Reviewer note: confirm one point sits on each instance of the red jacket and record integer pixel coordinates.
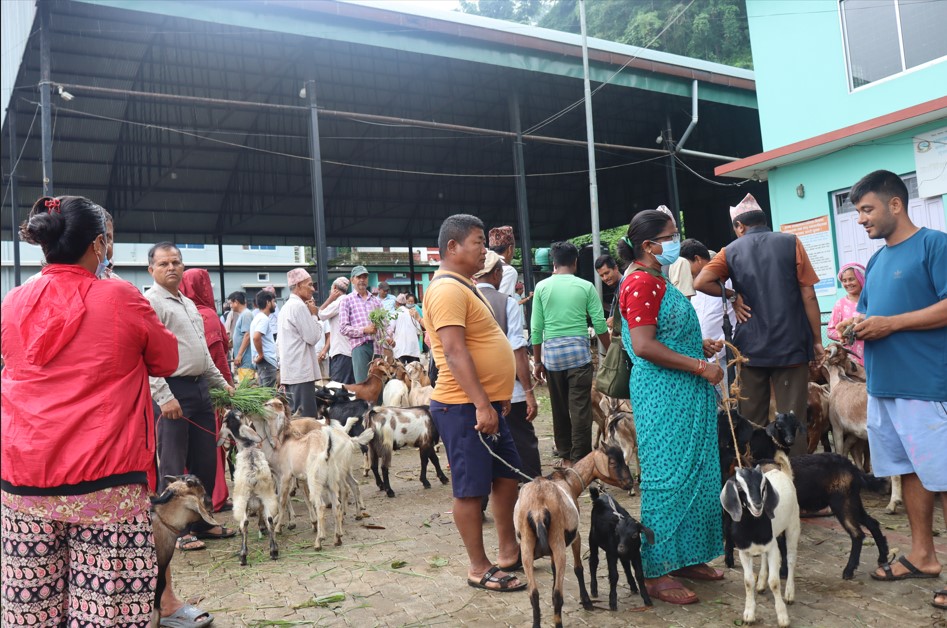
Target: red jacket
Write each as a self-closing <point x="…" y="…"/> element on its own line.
<point x="196" y="286"/>
<point x="76" y="405"/>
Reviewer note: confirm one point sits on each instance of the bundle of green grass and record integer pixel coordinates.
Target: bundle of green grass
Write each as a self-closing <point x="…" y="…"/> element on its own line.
<point x="247" y="397"/>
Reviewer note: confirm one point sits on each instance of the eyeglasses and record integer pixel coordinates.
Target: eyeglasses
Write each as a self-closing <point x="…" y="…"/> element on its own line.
<point x="671" y="238"/>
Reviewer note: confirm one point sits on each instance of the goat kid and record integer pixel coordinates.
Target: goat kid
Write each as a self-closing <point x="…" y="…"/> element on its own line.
<point x="403" y="427"/>
<point x="180" y="505"/>
<point x="619" y="535"/>
<point x="762" y="506"/>
<point x="546" y="520"/>
<point x="848" y="403"/>
<point x="421" y="389"/>
<point x="254" y="491"/>
<point x="370" y="390"/>
<point x="620" y="431"/>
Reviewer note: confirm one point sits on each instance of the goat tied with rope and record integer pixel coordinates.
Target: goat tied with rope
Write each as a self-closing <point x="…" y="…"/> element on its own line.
<point x="546" y="519"/>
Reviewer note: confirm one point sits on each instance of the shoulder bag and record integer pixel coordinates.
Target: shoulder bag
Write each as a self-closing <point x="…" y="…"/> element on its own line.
<point x="614" y="372"/>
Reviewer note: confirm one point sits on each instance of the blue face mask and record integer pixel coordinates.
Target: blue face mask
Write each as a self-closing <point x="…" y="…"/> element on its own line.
<point x="103" y="265"/>
<point x="670" y="251"/>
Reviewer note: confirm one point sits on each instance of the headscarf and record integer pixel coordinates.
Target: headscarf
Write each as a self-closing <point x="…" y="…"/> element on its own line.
<point x="196" y="285"/>
<point x="857" y="269"/>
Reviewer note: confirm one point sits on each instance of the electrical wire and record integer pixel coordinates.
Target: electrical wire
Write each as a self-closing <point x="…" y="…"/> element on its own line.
<point x="6" y="191"/>
<point x="342" y="163"/>
<point x="703" y="178"/>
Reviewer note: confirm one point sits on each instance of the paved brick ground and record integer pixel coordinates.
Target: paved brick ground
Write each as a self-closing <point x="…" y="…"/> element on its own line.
<point x="429" y="589"/>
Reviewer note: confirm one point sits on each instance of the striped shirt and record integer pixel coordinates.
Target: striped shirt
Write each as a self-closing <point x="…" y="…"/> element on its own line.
<point x="353" y="318"/>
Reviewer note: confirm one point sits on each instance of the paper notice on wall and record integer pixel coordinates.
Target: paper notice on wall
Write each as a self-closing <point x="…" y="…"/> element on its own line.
<point x="930" y="161"/>
<point x="817" y="240"/>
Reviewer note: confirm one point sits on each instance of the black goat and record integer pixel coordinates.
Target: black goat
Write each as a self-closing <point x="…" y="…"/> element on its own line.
<point x="829" y="479"/>
<point x="619" y="535"/>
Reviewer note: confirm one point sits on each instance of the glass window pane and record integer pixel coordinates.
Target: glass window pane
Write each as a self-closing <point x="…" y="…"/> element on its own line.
<point x="871" y="30"/>
<point x="924" y="30"/>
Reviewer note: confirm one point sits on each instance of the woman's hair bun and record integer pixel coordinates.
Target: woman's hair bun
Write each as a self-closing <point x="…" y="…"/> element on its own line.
<point x="45" y="225"/>
<point x="64" y="227"/>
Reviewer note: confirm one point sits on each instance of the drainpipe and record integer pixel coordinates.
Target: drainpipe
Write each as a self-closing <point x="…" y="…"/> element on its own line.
<point x="690" y="127"/>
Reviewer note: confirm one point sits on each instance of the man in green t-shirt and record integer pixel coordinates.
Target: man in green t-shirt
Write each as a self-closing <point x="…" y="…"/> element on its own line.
<point x="562" y="306"/>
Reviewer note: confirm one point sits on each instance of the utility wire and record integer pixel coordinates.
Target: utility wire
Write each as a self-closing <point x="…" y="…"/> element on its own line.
<point x="17" y="162"/>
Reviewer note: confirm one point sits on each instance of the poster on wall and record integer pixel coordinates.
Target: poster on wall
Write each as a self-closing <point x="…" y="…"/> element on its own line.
<point x="817" y="240"/>
<point x="930" y="161"/>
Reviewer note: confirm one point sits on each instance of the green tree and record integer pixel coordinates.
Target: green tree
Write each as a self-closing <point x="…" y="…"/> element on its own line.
<point x="522" y="11"/>
<point x="713" y="30"/>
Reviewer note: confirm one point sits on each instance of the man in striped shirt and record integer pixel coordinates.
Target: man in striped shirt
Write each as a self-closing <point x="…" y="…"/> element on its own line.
<point x="355" y="324"/>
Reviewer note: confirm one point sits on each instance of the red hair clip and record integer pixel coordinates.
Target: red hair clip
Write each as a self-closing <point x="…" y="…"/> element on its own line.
<point x="52" y="205"/>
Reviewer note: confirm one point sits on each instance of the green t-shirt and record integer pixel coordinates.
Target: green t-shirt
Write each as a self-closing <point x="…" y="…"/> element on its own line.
<point x="562" y="305"/>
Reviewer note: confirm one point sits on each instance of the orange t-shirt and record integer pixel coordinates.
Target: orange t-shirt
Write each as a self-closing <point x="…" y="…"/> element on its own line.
<point x="449" y="303"/>
<point x="805" y="274"/>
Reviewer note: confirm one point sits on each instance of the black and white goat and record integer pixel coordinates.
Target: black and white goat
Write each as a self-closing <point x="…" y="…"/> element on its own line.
<point x="619" y="535"/>
<point x="254" y="491"/>
<point x="402" y="427"/>
<point x="762" y="505"/>
<point x="180" y="505"/>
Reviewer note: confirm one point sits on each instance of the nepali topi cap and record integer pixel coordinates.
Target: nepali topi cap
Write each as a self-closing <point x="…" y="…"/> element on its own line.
<point x="748" y="204"/>
<point x="501" y="236"/>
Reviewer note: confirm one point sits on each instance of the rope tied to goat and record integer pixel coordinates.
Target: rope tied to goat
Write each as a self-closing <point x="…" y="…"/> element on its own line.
<point x="733" y="397"/>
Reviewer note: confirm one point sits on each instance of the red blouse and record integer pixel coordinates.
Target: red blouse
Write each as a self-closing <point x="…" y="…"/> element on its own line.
<point x="640" y="299"/>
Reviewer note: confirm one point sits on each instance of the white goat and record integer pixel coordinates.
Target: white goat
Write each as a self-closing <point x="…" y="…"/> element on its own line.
<point x="420" y="393"/>
<point x="403" y="427"/>
<point x="254" y="491"/>
<point x="395" y="394"/>
<point x="762" y="505"/>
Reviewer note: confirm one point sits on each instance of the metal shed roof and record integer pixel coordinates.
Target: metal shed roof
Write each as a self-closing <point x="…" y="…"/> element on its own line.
<point x="192" y="173"/>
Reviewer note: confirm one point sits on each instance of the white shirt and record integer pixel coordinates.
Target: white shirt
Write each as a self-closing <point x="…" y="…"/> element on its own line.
<point x="338" y="343"/>
<point x="514" y="333"/>
<point x="299" y="334"/>
<point x="406" y="331"/>
<point x="508" y="282"/>
<point x="710" y="313"/>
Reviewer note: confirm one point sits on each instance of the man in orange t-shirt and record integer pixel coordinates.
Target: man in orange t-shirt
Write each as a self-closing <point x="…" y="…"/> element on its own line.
<point x="476" y="370"/>
<point x="779" y="329"/>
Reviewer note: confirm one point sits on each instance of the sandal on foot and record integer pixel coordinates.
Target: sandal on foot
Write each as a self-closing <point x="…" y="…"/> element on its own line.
<point x="503" y="583"/>
<point x="189" y="543"/>
<point x="188" y="616"/>
<point x="225" y="533"/>
<point x="940" y="605"/>
<point x="698" y="572"/>
<point x="517" y="566"/>
<point x="660" y="590"/>
<point x="912" y="572"/>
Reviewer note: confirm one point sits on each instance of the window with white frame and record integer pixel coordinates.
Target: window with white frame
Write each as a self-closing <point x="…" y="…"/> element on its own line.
<point x="263" y="276"/>
<point x="885" y="37"/>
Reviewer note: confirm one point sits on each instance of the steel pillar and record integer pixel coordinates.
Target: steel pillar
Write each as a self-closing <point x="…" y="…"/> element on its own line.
<point x="14" y="212"/>
<point x="46" y="119"/>
<point x="220" y="267"/>
<point x="318" y="200"/>
<point x="522" y="205"/>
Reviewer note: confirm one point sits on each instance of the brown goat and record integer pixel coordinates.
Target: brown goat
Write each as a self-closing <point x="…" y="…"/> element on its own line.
<point x="180" y="505"/>
<point x="817" y="415"/>
<point x="848" y="404"/>
<point x="370" y="390"/>
<point x="546" y="518"/>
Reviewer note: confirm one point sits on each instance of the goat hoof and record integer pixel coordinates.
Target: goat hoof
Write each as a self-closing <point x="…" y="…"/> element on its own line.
<point x="338" y="542"/>
<point x="290" y="526"/>
<point x="848" y="575"/>
<point x="390" y="493"/>
<point x="426" y="484"/>
<point x="243" y="561"/>
<point x="274" y="555"/>
<point x="445" y="480"/>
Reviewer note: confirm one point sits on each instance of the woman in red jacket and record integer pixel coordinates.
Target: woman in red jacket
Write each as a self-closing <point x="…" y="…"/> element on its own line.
<point x="78" y="446"/>
<point x="196" y="286"/>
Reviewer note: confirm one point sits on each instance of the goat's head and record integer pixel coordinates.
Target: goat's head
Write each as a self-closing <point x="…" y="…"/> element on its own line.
<point x="784" y="428"/>
<point x="611" y="468"/>
<point x="236" y="427"/>
<point x="414" y="371"/>
<point x="741" y="427"/>
<point x="749" y="490"/>
<point x="629" y="531"/>
<point x="182" y="502"/>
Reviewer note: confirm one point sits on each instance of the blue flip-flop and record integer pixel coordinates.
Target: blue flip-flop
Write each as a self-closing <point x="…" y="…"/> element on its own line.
<point x="187" y="617"/>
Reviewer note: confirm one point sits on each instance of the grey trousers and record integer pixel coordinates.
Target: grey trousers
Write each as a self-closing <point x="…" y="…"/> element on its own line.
<point x="266" y="373"/>
<point x="791" y="385"/>
<point x="303" y="398"/>
<point x="570" y="393"/>
<point x="340" y="369"/>
<point x="361" y="356"/>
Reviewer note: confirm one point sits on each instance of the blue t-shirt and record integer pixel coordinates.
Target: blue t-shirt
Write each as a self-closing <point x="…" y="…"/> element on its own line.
<point x="261" y="324"/>
<point x="903" y="278"/>
<point x="240" y="329"/>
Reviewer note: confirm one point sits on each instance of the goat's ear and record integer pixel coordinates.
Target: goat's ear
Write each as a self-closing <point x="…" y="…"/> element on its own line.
<point x="770" y="499"/>
<point x="593" y="493"/>
<point x="250" y="434"/>
<point x="648" y="533"/>
<point x="730" y="500"/>
<point x="771" y="430"/>
<point x="224" y="435"/>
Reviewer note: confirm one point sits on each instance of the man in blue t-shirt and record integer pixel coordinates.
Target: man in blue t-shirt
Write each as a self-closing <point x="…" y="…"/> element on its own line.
<point x="241" y="339"/>
<point x="903" y="321"/>
<point x="263" y="343"/>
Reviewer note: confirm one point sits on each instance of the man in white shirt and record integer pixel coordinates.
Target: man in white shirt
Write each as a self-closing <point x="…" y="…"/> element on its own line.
<point x="300" y="333"/>
<point x="503" y="243"/>
<point x="340" y="351"/>
<point x="709" y="309"/>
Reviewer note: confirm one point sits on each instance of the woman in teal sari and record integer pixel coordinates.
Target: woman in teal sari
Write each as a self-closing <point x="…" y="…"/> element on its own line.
<point x="675" y="413"/>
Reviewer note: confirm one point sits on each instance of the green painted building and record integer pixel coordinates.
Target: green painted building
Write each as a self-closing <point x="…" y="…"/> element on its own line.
<point x="846" y="87"/>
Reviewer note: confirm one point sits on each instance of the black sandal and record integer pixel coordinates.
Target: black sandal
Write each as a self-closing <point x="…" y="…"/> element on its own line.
<point x="941" y="593"/>
<point x="504" y="582"/>
<point x="517" y="566"/>
<point x="912" y="573"/>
